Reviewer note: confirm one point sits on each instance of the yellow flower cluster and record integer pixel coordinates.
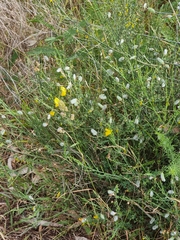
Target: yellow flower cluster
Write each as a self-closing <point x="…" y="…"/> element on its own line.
<point x="63" y="91"/>
<point x="107" y="132"/>
<point x="130" y="25"/>
<point x="58" y="195"/>
<point x="52" y="113"/>
<point x="60" y="104"/>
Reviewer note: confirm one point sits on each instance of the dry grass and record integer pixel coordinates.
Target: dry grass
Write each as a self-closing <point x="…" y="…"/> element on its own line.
<point x="15" y="32"/>
<point x="14" y="27"/>
<point x="18" y="35"/>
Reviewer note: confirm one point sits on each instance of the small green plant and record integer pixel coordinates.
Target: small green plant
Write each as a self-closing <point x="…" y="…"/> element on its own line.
<point x="174" y="158"/>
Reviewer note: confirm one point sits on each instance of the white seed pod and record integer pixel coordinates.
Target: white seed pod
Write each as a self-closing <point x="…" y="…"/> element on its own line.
<point x="94" y="132"/>
<point x="166" y="215"/>
<point x="67" y="68"/>
<point x="121" y="41"/>
<point x="138" y="183"/>
<point x="102" y="96"/>
<point x="136" y="121"/>
<point x="115" y="218"/>
<point x="154" y="227"/>
<point x="177" y="102"/>
<point x="119" y="98"/>
<point x="121" y="59"/>
<point x="112" y="213"/>
<point x="45" y="124"/>
<point x="160" y="61"/>
<point x="162" y="177"/>
<point x="152" y="220"/>
<point x="151" y="193"/>
<point x="145" y="6"/>
<point x="20" y="112"/>
<point x="74" y="102"/>
<point x="165" y="52"/>
<point x="109" y="14"/>
<point x="111" y="193"/>
<point x="170" y="192"/>
<point x="151" y="10"/>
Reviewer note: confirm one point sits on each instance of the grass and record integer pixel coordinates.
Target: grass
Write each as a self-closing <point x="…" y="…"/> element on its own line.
<point x="90" y="118"/>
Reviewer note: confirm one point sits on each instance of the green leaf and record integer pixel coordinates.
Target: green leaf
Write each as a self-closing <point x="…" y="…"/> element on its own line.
<point x="48" y="51"/>
<point x="14" y="56"/>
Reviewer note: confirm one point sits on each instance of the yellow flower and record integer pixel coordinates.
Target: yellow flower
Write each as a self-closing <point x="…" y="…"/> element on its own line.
<point x="58" y="195"/>
<point x="52" y="113"/>
<point x="141" y="102"/>
<point x="95" y="217"/>
<point x="63" y="91"/>
<point x="56" y="102"/>
<point x="107" y="132"/>
<point x="59" y="103"/>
